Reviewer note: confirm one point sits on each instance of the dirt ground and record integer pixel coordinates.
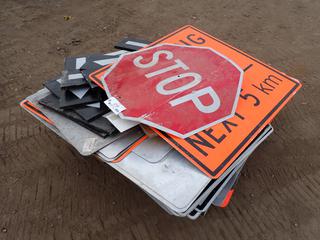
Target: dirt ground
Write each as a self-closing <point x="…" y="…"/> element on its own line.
<point x="49" y="191"/>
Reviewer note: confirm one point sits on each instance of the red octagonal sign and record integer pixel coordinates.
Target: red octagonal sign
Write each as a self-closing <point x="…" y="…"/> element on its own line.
<point x="177" y="89"/>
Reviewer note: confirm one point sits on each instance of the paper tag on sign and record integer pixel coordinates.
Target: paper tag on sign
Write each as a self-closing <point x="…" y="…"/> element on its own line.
<point x="115" y="106"/>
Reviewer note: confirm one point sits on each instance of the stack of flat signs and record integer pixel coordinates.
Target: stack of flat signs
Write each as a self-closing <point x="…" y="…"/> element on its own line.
<point x="73" y="107"/>
<point x="76" y="97"/>
<point x="85" y="109"/>
<point x="185" y="175"/>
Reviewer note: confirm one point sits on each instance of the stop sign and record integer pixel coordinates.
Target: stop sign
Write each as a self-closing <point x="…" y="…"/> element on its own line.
<point x="177" y="89"/>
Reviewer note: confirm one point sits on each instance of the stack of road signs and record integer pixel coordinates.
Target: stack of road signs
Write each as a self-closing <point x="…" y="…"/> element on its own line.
<point x="179" y="117"/>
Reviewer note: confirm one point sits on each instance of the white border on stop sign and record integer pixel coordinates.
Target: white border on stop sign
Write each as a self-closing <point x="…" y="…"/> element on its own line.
<point x="142" y="120"/>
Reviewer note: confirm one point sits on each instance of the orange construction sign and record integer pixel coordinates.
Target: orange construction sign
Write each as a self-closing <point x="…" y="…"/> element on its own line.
<point x="264" y="93"/>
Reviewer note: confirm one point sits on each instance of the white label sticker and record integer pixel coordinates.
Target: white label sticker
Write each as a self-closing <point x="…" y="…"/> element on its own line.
<point x="115" y="106"/>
